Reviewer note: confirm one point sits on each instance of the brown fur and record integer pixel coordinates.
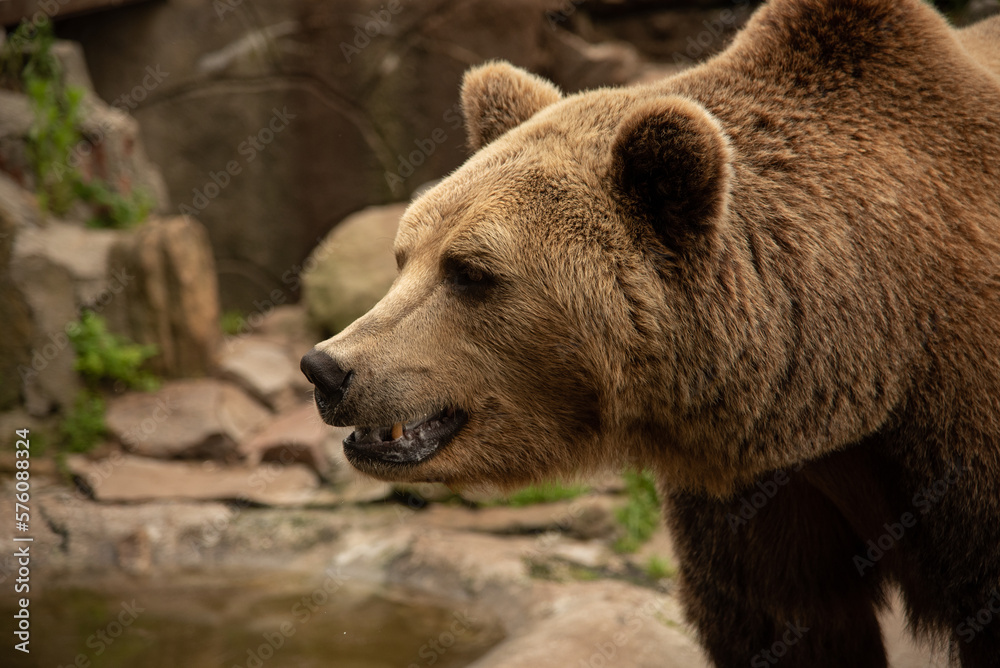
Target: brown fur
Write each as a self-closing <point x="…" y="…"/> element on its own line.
<point x="788" y="256"/>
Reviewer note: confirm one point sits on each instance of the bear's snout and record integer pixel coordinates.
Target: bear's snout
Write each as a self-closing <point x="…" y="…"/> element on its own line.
<point x="330" y="380"/>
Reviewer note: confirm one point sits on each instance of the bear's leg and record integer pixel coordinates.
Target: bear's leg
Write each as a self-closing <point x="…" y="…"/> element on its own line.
<point x="769" y="577"/>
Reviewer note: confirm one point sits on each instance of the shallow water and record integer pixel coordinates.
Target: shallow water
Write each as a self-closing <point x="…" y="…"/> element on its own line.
<point x="249" y="623"/>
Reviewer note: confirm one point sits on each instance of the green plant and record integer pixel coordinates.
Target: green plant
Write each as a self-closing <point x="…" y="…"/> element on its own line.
<point x="27" y="59"/>
<point x="55" y="130"/>
<point x="83" y="427"/>
<point x="102" y="356"/>
<point x="544" y="493"/>
<point x="232" y="322"/>
<point x="111" y="208"/>
<point x="659" y="567"/>
<point x="640" y="515"/>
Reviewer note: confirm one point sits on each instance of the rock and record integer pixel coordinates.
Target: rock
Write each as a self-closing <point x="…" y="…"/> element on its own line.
<point x="426" y="492"/>
<point x="587" y="517"/>
<point x="131" y="479"/>
<point x="365" y="124"/>
<point x="82" y="251"/>
<point x="41" y="432"/>
<point x="50" y="381"/>
<point x="74" y="64"/>
<point x="135" y="552"/>
<point x="17" y="205"/>
<point x="608" y="624"/>
<point x="15" y="123"/>
<point x="351" y="486"/>
<point x="100" y="538"/>
<point x="154" y="285"/>
<point x="356" y="488"/>
<point x="15" y="344"/>
<point x="289" y="325"/>
<point x="204" y="418"/>
<point x="110" y="148"/>
<point x="171" y="294"/>
<point x="264" y="369"/>
<point x="352" y="268"/>
<point x="296" y="435"/>
<point x="113" y="152"/>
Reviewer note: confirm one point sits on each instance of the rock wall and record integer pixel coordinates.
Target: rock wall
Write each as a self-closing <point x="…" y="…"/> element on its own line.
<point x="155" y="285"/>
<point x="272" y="121"/>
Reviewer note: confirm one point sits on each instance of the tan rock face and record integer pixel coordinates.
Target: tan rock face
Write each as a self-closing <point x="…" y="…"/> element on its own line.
<point x="15" y="344"/>
<point x="265" y="369"/>
<point x="171" y="297"/>
<point x="141" y="479"/>
<point x="191" y="418"/>
<point x="373" y="115"/>
<point x="296" y="435"/>
<point x="352" y="268"/>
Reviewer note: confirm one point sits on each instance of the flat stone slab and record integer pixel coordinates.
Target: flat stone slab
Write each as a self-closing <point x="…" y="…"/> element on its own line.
<point x="586" y="517"/>
<point x="126" y="478"/>
<point x="296" y="435"/>
<point x="203" y="418"/>
<point x="265" y="369"/>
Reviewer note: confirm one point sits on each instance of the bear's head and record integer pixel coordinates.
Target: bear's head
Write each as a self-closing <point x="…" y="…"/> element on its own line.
<point x="544" y="317"/>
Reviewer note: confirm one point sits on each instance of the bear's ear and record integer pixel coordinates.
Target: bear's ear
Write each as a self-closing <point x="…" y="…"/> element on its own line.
<point x="671" y="163"/>
<point x="498" y="96"/>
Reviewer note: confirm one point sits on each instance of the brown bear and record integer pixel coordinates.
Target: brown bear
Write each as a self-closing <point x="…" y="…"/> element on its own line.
<point x="773" y="278"/>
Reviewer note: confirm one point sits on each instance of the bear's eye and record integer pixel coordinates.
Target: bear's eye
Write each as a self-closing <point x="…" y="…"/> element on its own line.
<point x="466" y="279"/>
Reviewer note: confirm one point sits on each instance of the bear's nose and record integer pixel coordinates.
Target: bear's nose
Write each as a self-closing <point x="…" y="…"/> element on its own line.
<point x="325" y="373"/>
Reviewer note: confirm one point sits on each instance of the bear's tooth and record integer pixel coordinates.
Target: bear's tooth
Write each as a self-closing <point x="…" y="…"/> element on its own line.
<point x="397" y="431"/>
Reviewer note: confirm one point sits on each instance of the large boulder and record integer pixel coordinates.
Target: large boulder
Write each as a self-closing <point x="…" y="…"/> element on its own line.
<point x="186" y="419"/>
<point x="39" y="296"/>
<point x="352" y="268"/>
<point x="15" y="344"/>
<point x="170" y="294"/>
<point x="155" y="285"/>
<point x="110" y="148"/>
<point x="265" y="369"/>
<point x="15" y="123"/>
<point x="129" y="479"/>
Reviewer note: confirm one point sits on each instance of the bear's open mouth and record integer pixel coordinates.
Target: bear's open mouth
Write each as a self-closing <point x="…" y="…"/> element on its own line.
<point x="409" y="443"/>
